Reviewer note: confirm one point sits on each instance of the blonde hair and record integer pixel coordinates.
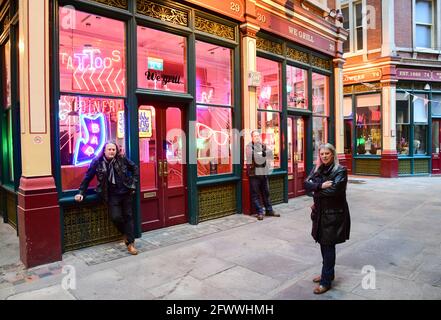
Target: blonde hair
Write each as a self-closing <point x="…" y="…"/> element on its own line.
<point x="319" y="161"/>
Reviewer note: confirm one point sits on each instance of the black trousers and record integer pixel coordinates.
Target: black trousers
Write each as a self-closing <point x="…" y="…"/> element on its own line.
<point x="121" y="213"/>
<point x="259" y="185"/>
<point x="328" y="255"/>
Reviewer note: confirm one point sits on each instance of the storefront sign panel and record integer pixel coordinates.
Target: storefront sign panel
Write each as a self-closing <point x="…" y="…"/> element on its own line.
<point x="231" y="8"/>
<point x="436" y="75"/>
<point x="273" y="23"/>
<point x="362" y="76"/>
<point x="92" y="142"/>
<point x="414" y="74"/>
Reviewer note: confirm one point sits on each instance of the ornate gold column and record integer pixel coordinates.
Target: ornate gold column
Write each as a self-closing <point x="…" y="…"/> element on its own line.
<point x="38" y="210"/>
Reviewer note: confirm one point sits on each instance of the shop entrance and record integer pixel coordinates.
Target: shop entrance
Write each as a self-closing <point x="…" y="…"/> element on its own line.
<point x="436" y="146"/>
<point x="162" y="171"/>
<point x="296" y="156"/>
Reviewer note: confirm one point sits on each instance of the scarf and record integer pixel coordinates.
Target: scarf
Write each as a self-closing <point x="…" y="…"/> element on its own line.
<point x="111" y="174"/>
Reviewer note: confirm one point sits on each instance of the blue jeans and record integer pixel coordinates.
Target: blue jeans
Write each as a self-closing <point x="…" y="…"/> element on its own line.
<point x="259" y="185"/>
<point x="328" y="254"/>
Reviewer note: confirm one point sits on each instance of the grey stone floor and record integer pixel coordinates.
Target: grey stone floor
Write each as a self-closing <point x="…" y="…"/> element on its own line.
<point x="396" y="229"/>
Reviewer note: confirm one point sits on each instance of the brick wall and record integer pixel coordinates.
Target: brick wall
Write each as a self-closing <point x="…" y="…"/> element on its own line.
<point x="403" y="23"/>
<point x="374" y="35"/>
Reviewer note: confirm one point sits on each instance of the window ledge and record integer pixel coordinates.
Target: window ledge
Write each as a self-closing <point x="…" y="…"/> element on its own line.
<point x="427" y="50"/>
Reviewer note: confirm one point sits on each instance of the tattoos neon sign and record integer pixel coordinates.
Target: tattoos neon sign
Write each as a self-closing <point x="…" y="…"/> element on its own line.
<point x="94" y="132"/>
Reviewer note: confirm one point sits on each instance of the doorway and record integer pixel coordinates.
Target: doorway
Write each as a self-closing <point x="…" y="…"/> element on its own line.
<point x="163" y="200"/>
<point x="436" y="146"/>
<point x="296" y="156"/>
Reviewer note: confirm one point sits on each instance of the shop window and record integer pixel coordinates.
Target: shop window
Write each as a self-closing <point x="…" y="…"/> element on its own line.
<point x="297" y="87"/>
<point x="213" y="140"/>
<point x="213" y="74"/>
<point x="420" y="119"/>
<point x="162" y="63"/>
<point x="214" y="109"/>
<point x="268" y="93"/>
<point x="319" y="134"/>
<point x="320" y="94"/>
<point x="92" y="59"/>
<point x="435" y="137"/>
<point x="269" y="125"/>
<point x="290" y="146"/>
<point x="368" y="125"/>
<point x="86" y="123"/>
<point x="7" y="97"/>
<point x="403" y="124"/>
<point x="436" y="105"/>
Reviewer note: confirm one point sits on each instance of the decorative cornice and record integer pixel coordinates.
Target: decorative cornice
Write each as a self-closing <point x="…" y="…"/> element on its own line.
<point x="121" y="4"/>
<point x="267" y="45"/>
<point x="215" y="28"/>
<point x="162" y="12"/>
<point x="249" y="30"/>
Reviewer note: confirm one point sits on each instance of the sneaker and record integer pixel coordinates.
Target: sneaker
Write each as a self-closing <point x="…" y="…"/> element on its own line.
<point x="272" y="214"/>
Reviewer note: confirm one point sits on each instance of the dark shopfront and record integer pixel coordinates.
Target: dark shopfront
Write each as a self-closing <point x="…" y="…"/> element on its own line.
<point x="10" y="163"/>
<point x="168" y="61"/>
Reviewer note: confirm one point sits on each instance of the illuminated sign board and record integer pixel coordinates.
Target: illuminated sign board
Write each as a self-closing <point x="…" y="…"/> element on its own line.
<point x="120" y="125"/>
<point x="145" y="123"/>
<point x="155" y="64"/>
<point x="92" y="142"/>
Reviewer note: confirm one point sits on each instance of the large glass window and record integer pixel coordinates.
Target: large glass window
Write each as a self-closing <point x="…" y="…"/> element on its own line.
<point x="403" y="124"/>
<point x="269" y="125"/>
<point x="423" y="23"/>
<point x="85" y="124"/>
<point x="297" y="87"/>
<point x="368" y="124"/>
<point x="92" y="59"/>
<point x="7" y="100"/>
<point x="420" y="119"/>
<point x="320" y="110"/>
<point x="214" y="109"/>
<point x="436" y="105"/>
<point x="268" y="94"/>
<point x="92" y="62"/>
<point x="319" y="134"/>
<point x="162" y="63"/>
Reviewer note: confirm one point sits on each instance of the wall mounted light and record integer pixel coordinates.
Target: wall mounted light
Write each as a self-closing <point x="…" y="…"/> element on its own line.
<point x="427" y="86"/>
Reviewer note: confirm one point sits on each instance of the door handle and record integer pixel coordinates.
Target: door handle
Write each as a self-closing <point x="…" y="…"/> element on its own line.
<point x="160" y="168"/>
<point x="165" y="173"/>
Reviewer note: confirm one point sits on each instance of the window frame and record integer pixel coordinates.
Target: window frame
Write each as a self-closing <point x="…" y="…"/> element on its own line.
<point x="351" y="5"/>
<point x="433" y="25"/>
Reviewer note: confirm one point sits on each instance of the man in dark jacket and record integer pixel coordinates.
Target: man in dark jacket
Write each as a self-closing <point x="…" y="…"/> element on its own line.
<point x="330" y="212"/>
<point x="117" y="177"/>
<point x="257" y="169"/>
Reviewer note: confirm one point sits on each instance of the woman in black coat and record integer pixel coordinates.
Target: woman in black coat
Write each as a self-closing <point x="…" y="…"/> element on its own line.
<point x="331" y="221"/>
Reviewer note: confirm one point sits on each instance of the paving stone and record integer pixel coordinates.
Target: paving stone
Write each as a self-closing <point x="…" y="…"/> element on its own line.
<point x="50" y="293"/>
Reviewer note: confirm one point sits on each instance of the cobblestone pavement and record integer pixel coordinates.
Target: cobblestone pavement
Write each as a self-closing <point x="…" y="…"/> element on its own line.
<point x="395" y="230"/>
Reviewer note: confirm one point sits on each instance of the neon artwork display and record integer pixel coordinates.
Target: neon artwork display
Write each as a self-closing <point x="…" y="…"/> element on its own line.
<point x="92" y="142"/>
<point x="145" y="123"/>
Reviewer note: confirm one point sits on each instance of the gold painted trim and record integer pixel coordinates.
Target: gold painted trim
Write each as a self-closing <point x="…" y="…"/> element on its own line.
<point x="162" y="12"/>
<point x="121" y="4"/>
<point x="215" y="28"/>
<point x="269" y="46"/>
<point x="320" y="63"/>
<point x="297" y="55"/>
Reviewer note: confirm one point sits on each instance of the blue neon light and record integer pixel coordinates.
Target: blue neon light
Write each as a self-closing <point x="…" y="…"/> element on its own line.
<point x="88" y="147"/>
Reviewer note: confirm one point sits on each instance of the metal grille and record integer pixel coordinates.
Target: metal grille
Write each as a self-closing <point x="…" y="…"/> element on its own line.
<point x="86" y="226"/>
<point x="421" y="166"/>
<point x="215" y="28"/>
<point x="404" y="167"/>
<point x="162" y="12"/>
<point x="367" y="166"/>
<point x="276" y="189"/>
<point x="216" y="202"/>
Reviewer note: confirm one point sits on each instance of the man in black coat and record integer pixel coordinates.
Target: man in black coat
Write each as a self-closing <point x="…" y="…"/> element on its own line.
<point x="330" y="216"/>
<point x="117" y="177"/>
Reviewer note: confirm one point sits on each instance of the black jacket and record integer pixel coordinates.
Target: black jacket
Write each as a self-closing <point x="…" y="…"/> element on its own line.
<point x="123" y="167"/>
<point x="331" y="222"/>
<point x="256" y="156"/>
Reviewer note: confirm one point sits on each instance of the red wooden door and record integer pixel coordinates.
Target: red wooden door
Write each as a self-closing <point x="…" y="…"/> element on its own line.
<point x="436" y="146"/>
<point x="296" y="156"/>
<point x="162" y="169"/>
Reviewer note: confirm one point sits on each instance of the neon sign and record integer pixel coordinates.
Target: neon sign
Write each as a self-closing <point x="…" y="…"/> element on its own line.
<point x="92" y="72"/>
<point x="88" y="147"/>
<point x="204" y="132"/>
